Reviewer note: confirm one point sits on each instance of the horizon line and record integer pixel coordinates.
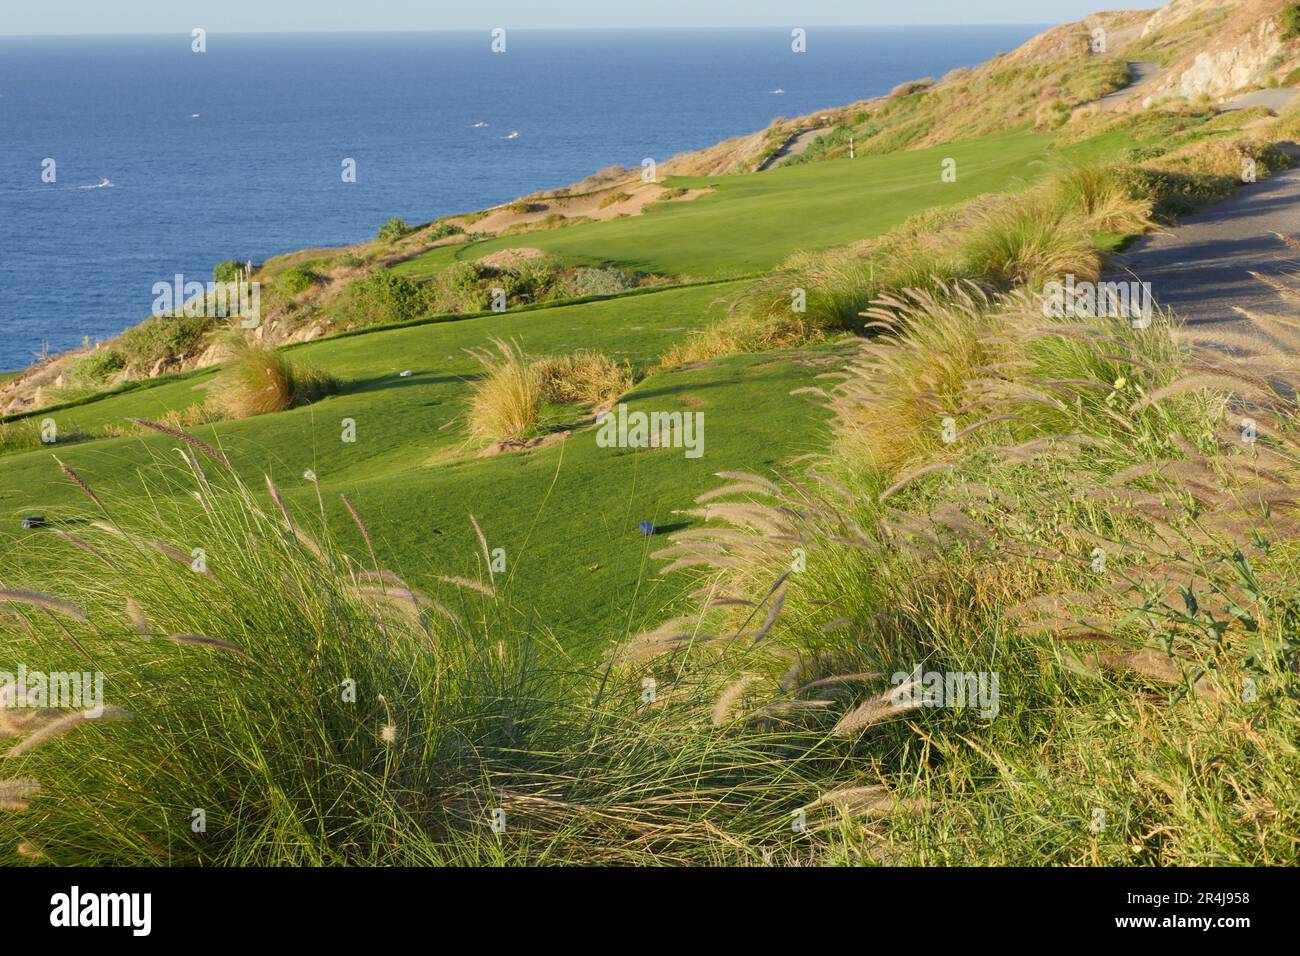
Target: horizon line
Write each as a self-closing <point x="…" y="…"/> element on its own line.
<point x="570" y="29"/>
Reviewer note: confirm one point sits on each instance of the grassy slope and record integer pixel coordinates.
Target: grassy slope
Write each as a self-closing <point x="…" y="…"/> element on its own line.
<point x="752" y="222"/>
<point x="417" y="509"/>
<point x="413" y="476"/>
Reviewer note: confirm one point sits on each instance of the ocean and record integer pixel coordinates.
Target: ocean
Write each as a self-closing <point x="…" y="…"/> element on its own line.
<point x="168" y="161"/>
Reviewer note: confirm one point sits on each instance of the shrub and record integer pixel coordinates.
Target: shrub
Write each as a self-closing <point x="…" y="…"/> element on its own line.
<point x="458" y="288"/>
<point x="524" y="206"/>
<point x="96" y="366"/>
<point x="830" y="145"/>
<point x="296" y="280"/>
<point x="506" y="402"/>
<point x="613" y="199"/>
<point x="383" y="297"/>
<point x="445" y="229"/>
<point x="256" y="380"/>
<point x="393" y="230"/>
<point x="1289" y="20"/>
<point x="164" y="337"/>
<point x="533" y="280"/>
<point x="583" y="281"/>
<point x="581" y="377"/>
<point x="228" y="271"/>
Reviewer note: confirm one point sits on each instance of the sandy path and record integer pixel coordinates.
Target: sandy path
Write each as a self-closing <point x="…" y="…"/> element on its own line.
<point x="794" y="146"/>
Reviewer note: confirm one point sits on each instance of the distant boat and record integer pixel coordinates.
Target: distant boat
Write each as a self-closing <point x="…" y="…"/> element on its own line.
<point x="103" y="183"/>
<point x="777" y="91"/>
<point x="194" y="116"/>
<point x="479" y="125"/>
<point x="513" y="135"/>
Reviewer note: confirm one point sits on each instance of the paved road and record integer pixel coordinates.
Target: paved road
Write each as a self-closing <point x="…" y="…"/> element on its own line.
<point x="1141" y="73"/>
<point x="1276" y="99"/>
<point x="1201" y="268"/>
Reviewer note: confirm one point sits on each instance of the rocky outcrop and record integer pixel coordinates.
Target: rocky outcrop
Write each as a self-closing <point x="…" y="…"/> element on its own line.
<point x="1223" y="72"/>
<point x="1219" y="49"/>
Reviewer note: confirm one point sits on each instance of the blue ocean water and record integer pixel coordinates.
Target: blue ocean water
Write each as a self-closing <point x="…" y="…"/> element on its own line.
<point x="237" y="152"/>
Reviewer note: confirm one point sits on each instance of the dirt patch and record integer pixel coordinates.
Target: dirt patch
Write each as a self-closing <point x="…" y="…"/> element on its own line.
<point x="523" y="444"/>
<point x="509" y="258"/>
<point x="626" y="198"/>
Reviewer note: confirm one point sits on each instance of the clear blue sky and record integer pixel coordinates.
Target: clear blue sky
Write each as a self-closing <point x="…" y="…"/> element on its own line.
<point x="253" y="16"/>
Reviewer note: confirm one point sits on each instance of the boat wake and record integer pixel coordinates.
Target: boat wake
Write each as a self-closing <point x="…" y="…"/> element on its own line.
<point x="104" y="183"/>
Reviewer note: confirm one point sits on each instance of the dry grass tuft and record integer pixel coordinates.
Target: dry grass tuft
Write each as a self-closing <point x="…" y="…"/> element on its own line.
<point x="591" y="378"/>
<point x="256" y="380"/>
<point x="506" y="403"/>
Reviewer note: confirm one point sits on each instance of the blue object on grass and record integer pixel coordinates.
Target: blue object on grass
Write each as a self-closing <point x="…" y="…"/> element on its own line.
<point x="647" y="527"/>
<point x="35" y="521"/>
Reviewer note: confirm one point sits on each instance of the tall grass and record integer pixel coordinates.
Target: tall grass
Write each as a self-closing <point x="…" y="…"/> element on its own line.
<point x="1098" y="534"/>
<point x="293" y="702"/>
<point x="506" y="403"/>
<point x="257" y="380"/>
<point x="1024" y="244"/>
<point x="1101" y="195"/>
<point x="582" y="377"/>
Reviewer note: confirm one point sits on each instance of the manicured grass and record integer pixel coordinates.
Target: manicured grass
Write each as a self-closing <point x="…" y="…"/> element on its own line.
<point x="752" y="222"/>
<point x="567" y="514"/>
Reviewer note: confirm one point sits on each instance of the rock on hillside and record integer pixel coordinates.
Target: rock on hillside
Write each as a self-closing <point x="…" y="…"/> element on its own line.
<point x="1219" y="48"/>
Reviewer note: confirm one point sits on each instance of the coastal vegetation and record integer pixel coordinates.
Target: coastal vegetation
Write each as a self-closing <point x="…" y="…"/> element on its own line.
<point x="366" y="589"/>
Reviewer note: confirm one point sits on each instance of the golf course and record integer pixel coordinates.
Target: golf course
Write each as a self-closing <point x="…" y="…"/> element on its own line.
<point x="904" y="569"/>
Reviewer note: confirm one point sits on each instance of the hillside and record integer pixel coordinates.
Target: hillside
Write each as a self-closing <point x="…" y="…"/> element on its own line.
<point x="1206" y="53"/>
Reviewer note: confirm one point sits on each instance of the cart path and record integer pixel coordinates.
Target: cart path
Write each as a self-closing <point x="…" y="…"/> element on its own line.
<point x="1202" y="267"/>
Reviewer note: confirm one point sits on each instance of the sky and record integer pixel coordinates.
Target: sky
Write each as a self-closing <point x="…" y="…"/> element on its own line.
<point x="274" y="16"/>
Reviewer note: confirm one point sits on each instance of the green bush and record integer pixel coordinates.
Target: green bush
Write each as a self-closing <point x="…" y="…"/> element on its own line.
<point x="445" y="229"/>
<point x="95" y="367"/>
<point x="296" y="280"/>
<point x="580" y="282"/>
<point x="384" y="297"/>
<point x="164" y="337"/>
<point x="393" y="230"/>
<point x="227" y="271"/>
<point x="533" y="280"/>
<point x="459" y="289"/>
<point x="1290" y="22"/>
<point x="830" y="145"/>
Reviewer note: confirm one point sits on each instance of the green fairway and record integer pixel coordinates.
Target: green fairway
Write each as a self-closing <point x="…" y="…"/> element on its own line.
<point x="567" y="514"/>
<point x="751" y="222"/>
